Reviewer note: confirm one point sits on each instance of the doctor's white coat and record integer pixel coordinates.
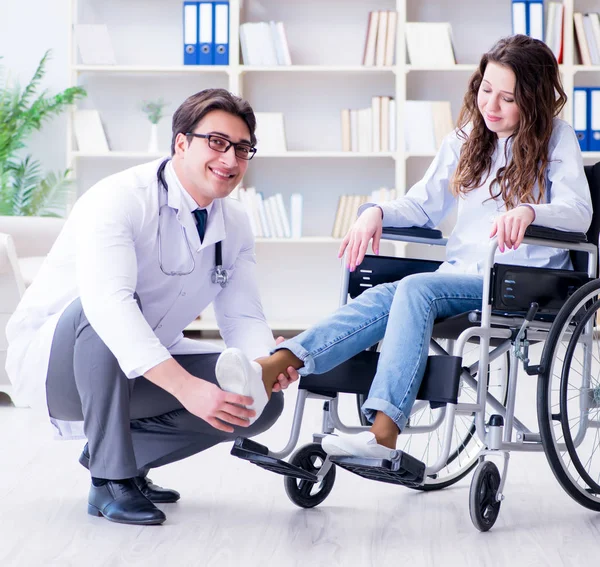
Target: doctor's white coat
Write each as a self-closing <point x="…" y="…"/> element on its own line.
<point x="109" y="250"/>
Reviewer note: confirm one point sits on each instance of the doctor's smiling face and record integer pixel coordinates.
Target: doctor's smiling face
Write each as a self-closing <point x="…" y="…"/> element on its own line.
<point x="204" y="169"/>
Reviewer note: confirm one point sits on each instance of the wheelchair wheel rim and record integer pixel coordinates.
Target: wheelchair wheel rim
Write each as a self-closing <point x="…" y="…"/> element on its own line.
<point x="580" y="476"/>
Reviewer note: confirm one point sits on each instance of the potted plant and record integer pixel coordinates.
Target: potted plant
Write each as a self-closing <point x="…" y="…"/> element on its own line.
<point x="24" y="189"/>
<point x="154" y="110"/>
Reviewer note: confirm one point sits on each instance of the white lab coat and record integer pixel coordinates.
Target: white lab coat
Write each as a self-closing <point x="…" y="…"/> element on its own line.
<point x="108" y="250"/>
<point x="567" y="205"/>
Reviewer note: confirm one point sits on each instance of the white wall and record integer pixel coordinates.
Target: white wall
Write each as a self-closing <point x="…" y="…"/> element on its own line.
<point x="27" y="30"/>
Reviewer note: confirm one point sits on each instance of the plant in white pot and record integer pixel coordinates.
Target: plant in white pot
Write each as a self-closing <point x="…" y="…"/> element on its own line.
<point x="24" y="189"/>
<point x="154" y="110"/>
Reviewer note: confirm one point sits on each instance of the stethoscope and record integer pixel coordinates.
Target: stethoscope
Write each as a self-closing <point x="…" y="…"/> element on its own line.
<point x="219" y="275"/>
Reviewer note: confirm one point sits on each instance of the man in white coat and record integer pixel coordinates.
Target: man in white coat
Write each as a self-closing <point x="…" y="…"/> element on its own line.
<point x="97" y="337"/>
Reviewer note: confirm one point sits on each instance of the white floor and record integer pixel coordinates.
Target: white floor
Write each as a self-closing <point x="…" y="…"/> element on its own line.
<point x="234" y="513"/>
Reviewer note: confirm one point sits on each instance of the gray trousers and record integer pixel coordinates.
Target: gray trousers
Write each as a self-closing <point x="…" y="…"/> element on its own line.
<point x="131" y="425"/>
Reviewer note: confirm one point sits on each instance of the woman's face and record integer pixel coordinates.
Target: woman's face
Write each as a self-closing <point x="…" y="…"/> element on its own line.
<point x="496" y="100"/>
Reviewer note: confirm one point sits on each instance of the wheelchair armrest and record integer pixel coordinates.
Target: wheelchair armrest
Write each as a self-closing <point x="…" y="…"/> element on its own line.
<point x="545" y="233"/>
<point x="414" y="234"/>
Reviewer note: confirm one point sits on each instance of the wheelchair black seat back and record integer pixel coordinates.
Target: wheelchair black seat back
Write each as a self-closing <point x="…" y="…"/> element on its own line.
<point x="464" y="414"/>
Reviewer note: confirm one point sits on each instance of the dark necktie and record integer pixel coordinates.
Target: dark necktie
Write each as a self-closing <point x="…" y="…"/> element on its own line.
<point x="201" y="215"/>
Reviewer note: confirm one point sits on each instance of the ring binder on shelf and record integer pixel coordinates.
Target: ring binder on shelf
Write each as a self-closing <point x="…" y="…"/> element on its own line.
<point x="190" y="33"/>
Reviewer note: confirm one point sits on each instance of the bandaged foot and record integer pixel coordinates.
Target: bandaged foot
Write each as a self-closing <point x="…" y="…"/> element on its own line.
<point x="361" y="444"/>
<point x="235" y="373"/>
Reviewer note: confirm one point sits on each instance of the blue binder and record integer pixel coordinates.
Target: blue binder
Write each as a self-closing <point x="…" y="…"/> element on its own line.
<point x="535" y="19"/>
<point x="190" y="33"/>
<point x="581" y="116"/>
<point x="519" y="17"/>
<point x="205" y="34"/>
<point x="594" y="119"/>
<point x="221" y="32"/>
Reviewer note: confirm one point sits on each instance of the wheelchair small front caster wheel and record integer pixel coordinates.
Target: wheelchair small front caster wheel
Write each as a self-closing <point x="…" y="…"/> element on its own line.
<point x="304" y="493"/>
<point x="483" y="506"/>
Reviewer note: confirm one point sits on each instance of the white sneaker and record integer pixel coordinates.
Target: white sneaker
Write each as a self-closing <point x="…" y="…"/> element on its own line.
<point x="362" y="444"/>
<point x="235" y="373"/>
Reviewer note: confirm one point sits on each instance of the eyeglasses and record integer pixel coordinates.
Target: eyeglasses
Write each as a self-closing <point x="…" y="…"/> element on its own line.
<point x="222" y="145"/>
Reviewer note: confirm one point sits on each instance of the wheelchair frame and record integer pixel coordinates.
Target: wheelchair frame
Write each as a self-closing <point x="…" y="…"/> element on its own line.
<point x="496" y="437"/>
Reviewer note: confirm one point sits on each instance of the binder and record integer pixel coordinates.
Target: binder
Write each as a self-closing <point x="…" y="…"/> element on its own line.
<point x="594" y="120"/>
<point x="205" y="34"/>
<point x="519" y="17"/>
<point x="535" y="19"/>
<point x="580" y="116"/>
<point x="190" y="33"/>
<point x="221" y="33"/>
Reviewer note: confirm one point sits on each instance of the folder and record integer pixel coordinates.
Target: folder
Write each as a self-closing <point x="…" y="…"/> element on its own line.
<point x="190" y="33"/>
<point x="205" y="34"/>
<point x="535" y="19"/>
<point x="519" y="17"/>
<point x="594" y="120"/>
<point x="580" y="116"/>
<point x="221" y="33"/>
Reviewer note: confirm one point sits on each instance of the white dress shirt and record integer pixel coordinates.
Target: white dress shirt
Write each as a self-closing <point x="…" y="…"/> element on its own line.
<point x="108" y="250"/>
<point x="567" y="205"/>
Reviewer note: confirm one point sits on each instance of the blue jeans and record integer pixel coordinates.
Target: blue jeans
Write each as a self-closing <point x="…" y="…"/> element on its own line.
<point x="402" y="314"/>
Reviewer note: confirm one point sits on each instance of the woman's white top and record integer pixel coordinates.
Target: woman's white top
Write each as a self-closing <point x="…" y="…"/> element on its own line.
<point x="108" y="250"/>
<point x="567" y="205"/>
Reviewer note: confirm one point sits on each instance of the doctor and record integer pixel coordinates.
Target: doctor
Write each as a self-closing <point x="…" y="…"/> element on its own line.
<point x="97" y="337"/>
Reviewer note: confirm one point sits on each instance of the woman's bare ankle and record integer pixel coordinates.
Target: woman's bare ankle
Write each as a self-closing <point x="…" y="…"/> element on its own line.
<point x="276" y="364"/>
<point x="385" y="430"/>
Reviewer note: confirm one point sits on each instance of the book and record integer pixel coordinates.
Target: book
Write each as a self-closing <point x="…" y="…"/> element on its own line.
<point x="296" y="205"/>
<point x="582" y="44"/>
<point x="270" y="132"/>
<point x="346" y="131"/>
<point x="390" y="42"/>
<point x="371" y="40"/>
<point x="89" y="133"/>
<point x="429" y="44"/>
<point x="380" y="45"/>
<point x="95" y="47"/>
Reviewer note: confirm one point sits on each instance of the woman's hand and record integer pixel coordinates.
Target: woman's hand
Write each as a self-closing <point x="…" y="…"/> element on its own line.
<point x="368" y="225"/>
<point x="510" y="227"/>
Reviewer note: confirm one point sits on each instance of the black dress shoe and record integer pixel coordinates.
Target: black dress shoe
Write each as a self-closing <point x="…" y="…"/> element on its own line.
<point x="150" y="490"/>
<point x="121" y="501"/>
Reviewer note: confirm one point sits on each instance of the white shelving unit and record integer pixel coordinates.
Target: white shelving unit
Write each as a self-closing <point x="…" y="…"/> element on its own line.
<point x="326" y="78"/>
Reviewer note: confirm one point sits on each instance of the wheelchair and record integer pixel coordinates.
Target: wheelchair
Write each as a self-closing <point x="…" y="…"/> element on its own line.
<point x="465" y="409"/>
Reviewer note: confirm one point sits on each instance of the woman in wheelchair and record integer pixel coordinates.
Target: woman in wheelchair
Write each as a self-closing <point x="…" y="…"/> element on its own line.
<point x="509" y="162"/>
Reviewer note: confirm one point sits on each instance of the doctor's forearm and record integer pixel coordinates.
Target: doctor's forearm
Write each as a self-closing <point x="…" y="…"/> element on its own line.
<point x="170" y="376"/>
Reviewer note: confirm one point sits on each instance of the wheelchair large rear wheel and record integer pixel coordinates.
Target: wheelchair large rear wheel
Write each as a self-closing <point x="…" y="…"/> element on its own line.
<point x="466" y="446"/>
<point x="569" y="397"/>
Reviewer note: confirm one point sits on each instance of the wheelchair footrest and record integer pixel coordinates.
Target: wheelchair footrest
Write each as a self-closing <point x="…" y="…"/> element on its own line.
<point x="403" y="469"/>
<point x="258" y="454"/>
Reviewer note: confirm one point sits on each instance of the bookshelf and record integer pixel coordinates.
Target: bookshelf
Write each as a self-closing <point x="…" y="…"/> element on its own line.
<point x="326" y="77"/>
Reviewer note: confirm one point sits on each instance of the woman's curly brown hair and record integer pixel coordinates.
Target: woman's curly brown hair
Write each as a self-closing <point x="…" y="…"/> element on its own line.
<point x="539" y="96"/>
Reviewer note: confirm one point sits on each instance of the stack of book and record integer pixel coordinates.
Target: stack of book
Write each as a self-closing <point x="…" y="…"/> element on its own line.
<point x="426" y="124"/>
<point x="380" y="42"/>
<point x="264" y="43"/>
<point x="370" y="129"/>
<point x="269" y="217"/>
<point x="348" y="206"/>
<point x="587" y="32"/>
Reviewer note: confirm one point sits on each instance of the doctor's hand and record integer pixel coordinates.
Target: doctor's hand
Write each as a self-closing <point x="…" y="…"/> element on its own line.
<point x="366" y="227"/>
<point x="218" y="408"/>
<point x="284" y="380"/>
<point x="510" y="227"/>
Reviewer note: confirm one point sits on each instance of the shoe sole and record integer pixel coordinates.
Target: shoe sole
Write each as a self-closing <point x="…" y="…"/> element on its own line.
<point x="93" y="511"/>
<point x="230" y="364"/>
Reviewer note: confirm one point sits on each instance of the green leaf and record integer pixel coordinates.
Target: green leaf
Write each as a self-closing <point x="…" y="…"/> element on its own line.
<point x="24" y="190"/>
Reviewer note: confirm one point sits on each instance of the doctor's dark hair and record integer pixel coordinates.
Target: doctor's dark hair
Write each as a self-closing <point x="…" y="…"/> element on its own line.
<point x="539" y="97"/>
<point x="197" y="106"/>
